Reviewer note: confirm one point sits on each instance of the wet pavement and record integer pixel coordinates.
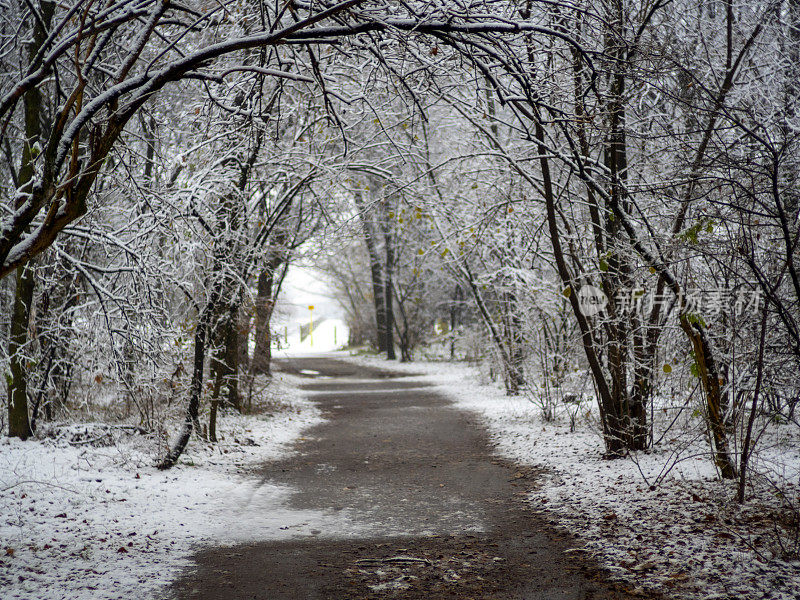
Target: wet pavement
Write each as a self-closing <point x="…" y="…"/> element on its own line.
<point x="435" y="515"/>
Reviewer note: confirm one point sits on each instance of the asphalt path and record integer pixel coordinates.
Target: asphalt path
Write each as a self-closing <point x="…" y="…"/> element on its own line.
<point x="439" y="517"/>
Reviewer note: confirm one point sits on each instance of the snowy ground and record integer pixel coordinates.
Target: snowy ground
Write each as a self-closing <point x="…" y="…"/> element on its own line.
<point x="86" y="518"/>
<point x="83" y="518"/>
<point x="652" y="522"/>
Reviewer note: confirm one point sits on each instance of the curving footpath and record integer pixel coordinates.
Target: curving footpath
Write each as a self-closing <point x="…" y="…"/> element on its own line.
<point x="434" y="515"/>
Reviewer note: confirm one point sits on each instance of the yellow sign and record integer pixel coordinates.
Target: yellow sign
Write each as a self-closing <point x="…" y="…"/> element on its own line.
<point x="311" y="325"/>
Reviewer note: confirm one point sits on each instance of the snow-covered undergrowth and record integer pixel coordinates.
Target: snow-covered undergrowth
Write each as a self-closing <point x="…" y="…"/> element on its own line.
<point x="84" y="513"/>
<point x="661" y="521"/>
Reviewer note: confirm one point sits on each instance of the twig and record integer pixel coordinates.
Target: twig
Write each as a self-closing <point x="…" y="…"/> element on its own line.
<point x="24" y="481"/>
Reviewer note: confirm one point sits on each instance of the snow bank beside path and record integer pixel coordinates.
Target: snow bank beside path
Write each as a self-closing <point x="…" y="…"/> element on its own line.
<point x="657" y="525"/>
<point x="95" y="522"/>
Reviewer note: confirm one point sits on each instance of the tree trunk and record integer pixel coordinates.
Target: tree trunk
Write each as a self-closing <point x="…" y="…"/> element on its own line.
<point x="191" y="419"/>
<point x="622" y="328"/>
<point x="225" y="369"/>
<point x="225" y="365"/>
<point x="613" y="430"/>
<point x="376" y="270"/>
<point x="18" y="421"/>
<point x="404" y="332"/>
<point x="17" y="381"/>
<point x="265" y="304"/>
<point x="746" y="450"/>
<point x="389" y="297"/>
<point x="640" y="394"/>
<point x="244" y="327"/>
<point x="713" y="384"/>
<point x="455" y="311"/>
<point x="499" y="342"/>
<point x="514" y="377"/>
<point x="231" y="348"/>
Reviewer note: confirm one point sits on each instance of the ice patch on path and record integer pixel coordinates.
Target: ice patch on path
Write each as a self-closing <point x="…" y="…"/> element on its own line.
<point x="261" y="514"/>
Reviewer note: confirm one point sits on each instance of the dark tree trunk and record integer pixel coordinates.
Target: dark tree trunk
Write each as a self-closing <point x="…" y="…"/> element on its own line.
<point x="224" y="366"/>
<point x="376" y="271"/>
<point x="613" y="430"/>
<point x="244" y="326"/>
<point x="496" y="334"/>
<point x="746" y="450"/>
<point x="265" y="304"/>
<point x="713" y="385"/>
<point x="389" y="297"/>
<point x="18" y="421"/>
<point x="191" y="420"/>
<point x="640" y="394"/>
<point x="455" y="313"/>
<point x="40" y="395"/>
<point x="231" y="355"/>
<point x="514" y="376"/>
<point x="403" y="333"/>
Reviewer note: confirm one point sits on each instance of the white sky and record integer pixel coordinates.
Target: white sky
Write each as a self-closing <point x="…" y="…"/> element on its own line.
<point x="303" y="287"/>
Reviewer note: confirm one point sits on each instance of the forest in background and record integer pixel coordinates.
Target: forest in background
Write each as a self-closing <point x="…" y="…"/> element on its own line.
<point x="598" y="201"/>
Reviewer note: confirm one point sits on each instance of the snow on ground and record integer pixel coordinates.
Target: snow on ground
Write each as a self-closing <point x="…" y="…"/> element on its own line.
<point x="85" y="518"/>
<point x="653" y="523"/>
<point x="82" y="517"/>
